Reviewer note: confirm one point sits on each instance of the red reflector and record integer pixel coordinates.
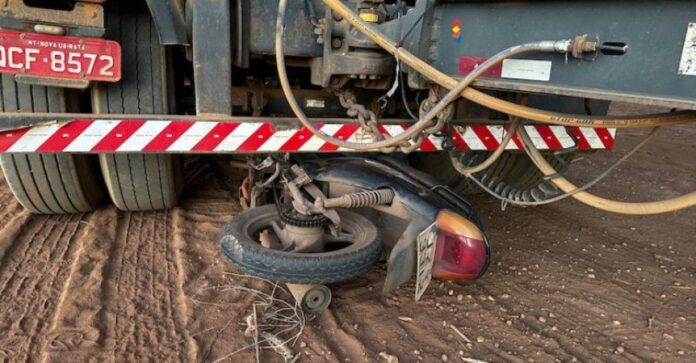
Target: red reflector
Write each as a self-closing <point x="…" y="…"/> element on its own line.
<point x="461" y="251"/>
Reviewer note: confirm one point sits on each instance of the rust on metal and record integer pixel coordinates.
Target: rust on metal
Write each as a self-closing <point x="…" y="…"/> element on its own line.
<point x="83" y="15"/>
<point x="581" y="45"/>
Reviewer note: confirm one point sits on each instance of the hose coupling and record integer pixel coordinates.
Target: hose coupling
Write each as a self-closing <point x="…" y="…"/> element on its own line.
<point x="581" y="45"/>
<point x="575" y="47"/>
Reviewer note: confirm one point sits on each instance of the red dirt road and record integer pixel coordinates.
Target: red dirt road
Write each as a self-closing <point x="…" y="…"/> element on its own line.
<point x="567" y="282"/>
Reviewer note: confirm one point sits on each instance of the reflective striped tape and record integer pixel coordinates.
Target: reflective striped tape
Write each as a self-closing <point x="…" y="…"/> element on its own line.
<point x="185" y="136"/>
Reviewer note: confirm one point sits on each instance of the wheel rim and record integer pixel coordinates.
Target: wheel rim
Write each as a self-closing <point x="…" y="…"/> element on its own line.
<point x="351" y="237"/>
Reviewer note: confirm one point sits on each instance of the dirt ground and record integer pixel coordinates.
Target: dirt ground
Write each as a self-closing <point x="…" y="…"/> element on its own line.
<point x="567" y="282"/>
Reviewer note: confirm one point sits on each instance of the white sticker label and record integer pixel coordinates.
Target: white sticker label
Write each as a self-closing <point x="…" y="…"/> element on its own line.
<point x="687" y="66"/>
<point x="532" y="70"/>
<point x="315" y="103"/>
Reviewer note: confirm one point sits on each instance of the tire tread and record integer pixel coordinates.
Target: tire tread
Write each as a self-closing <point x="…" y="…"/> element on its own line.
<point x="46" y="183"/>
<point x="307" y="268"/>
<point x="511" y="169"/>
<point x="137" y="182"/>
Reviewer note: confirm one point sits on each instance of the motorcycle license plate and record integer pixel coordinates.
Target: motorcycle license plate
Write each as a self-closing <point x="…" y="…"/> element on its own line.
<point x="426" y="252"/>
<point x="50" y="56"/>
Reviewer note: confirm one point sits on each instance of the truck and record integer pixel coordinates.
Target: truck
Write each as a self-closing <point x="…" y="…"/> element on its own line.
<point x="359" y="126"/>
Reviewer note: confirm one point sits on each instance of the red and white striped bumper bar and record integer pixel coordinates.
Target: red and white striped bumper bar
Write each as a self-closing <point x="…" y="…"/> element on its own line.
<point x="187" y="136"/>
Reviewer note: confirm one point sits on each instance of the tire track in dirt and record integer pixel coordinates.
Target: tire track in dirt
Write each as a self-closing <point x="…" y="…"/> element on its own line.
<point x="196" y="225"/>
<point x="9" y="207"/>
<point x="9" y="231"/>
<point x="181" y="311"/>
<point x="12" y="215"/>
<point x="77" y="330"/>
<point x="33" y="273"/>
<point x="123" y="300"/>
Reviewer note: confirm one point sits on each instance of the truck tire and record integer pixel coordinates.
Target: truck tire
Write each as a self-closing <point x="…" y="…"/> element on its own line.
<point x="241" y="248"/>
<point x="513" y="175"/>
<point x="141" y="182"/>
<point x="47" y="183"/>
<point x="138" y="182"/>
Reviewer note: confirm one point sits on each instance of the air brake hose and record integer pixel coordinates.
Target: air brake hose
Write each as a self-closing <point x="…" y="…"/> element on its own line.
<point x="640" y="208"/>
<point x="426" y="120"/>
<point x="497" y="104"/>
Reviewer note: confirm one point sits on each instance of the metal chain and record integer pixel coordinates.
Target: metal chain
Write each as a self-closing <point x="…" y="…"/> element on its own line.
<point x="442" y="118"/>
<point x="369" y="122"/>
<point x="367" y="118"/>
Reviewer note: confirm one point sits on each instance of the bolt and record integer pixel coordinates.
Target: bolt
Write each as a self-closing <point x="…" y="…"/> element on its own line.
<point x="336" y="43"/>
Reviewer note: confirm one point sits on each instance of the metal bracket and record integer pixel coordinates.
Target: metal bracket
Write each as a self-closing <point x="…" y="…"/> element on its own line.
<point x="86" y="19"/>
<point x="212" y="56"/>
<point x="170" y="21"/>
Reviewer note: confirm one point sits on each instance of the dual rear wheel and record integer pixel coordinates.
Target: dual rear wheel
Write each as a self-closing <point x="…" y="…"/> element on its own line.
<point x="63" y="183"/>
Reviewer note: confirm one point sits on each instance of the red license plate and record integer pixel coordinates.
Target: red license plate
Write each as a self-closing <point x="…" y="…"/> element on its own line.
<point x="50" y="56"/>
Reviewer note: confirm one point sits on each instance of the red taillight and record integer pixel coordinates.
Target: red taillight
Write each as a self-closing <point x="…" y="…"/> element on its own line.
<point x="461" y="250"/>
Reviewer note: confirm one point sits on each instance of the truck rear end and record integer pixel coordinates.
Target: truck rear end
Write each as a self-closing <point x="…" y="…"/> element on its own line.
<point x="359" y="127"/>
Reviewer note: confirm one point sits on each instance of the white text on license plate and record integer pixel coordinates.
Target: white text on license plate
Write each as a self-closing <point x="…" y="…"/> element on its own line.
<point x="49" y="56"/>
<point x="426" y="253"/>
